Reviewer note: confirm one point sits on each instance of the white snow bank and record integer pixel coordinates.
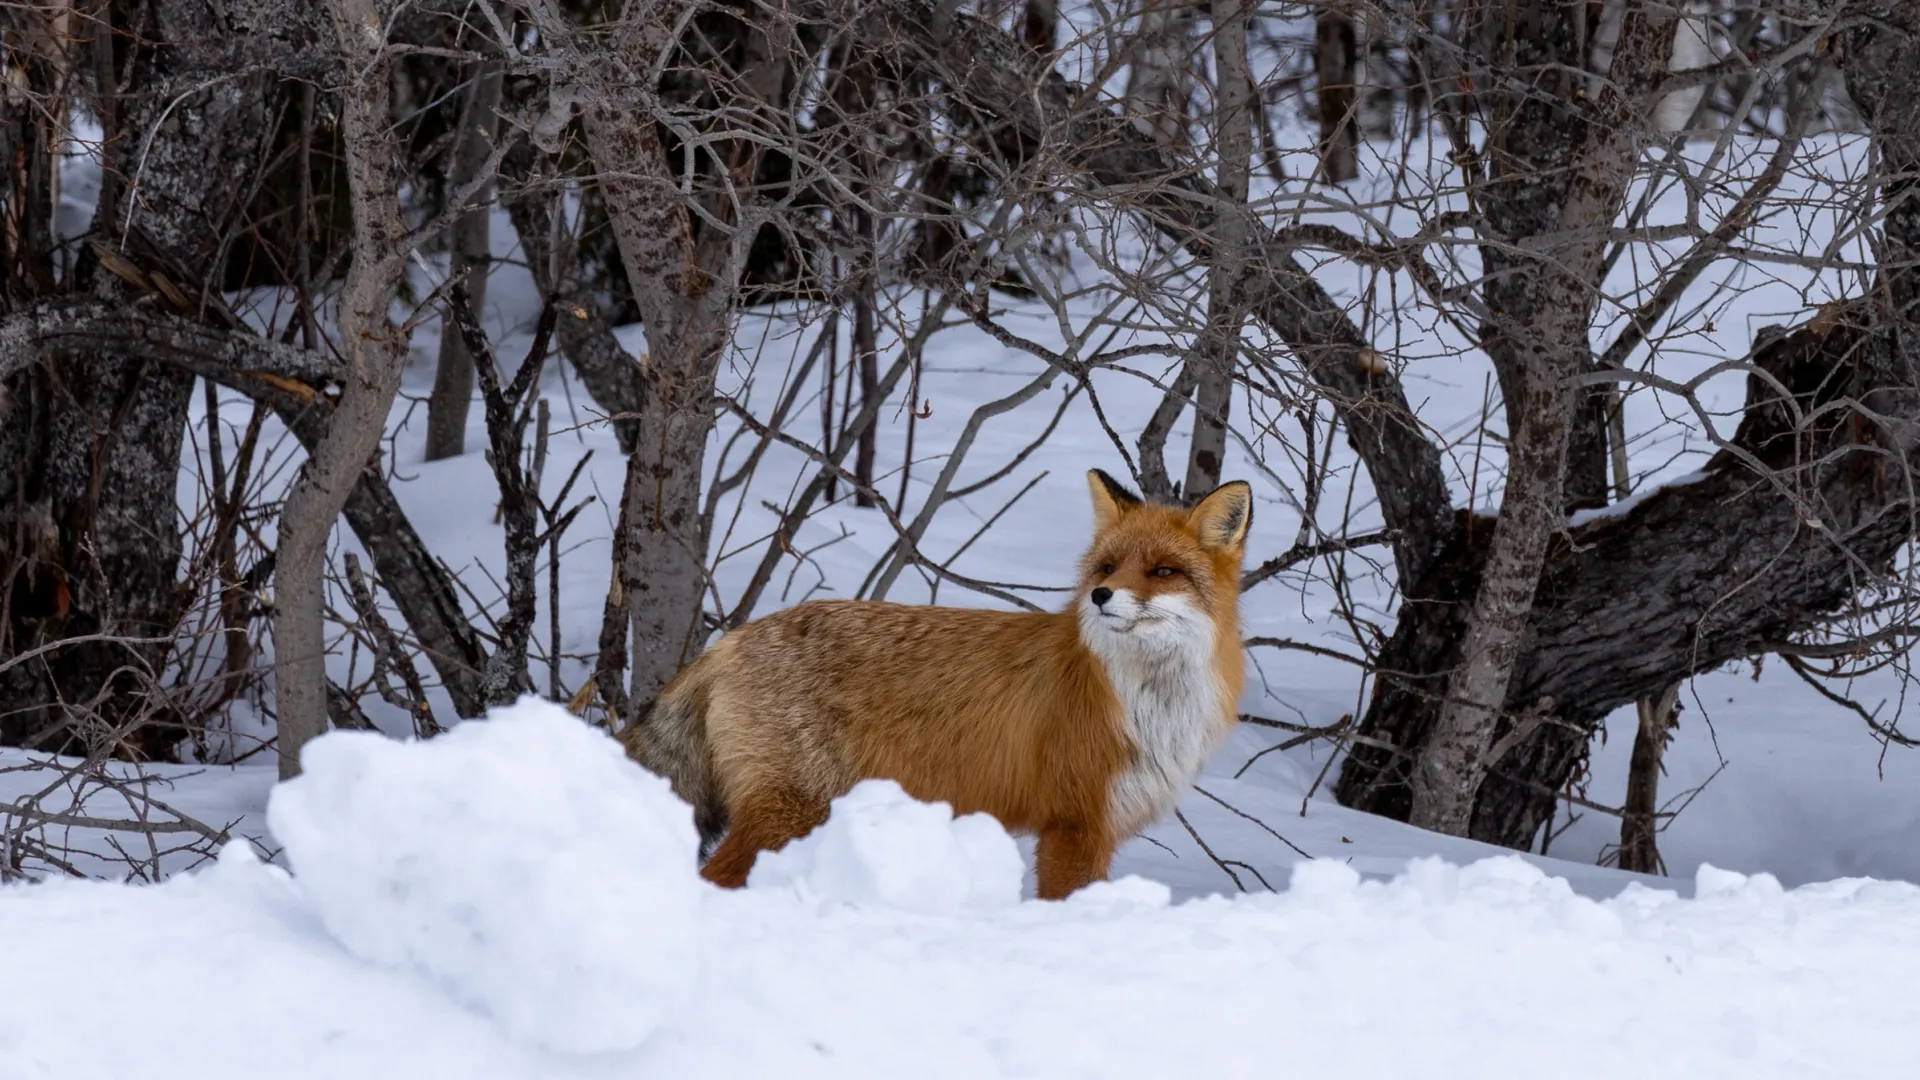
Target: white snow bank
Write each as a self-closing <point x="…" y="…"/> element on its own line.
<point x="881" y="846"/>
<point x="522" y="863"/>
<point x="515" y="890"/>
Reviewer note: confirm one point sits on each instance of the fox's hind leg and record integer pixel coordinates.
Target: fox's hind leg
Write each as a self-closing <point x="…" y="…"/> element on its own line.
<point x="1069" y="857"/>
<point x="763" y="821"/>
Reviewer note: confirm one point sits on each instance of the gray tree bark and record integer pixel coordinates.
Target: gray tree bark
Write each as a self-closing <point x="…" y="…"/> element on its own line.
<point x="1218" y="351"/>
<point x="283" y="377"/>
<point x="685" y="290"/>
<point x="373" y="351"/>
<point x="1160" y="83"/>
<point x="1564" y="175"/>
<point x="92" y="447"/>
<point x="1639" y="850"/>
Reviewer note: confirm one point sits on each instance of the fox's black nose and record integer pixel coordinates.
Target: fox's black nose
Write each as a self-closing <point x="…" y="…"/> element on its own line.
<point x="1101" y="596"/>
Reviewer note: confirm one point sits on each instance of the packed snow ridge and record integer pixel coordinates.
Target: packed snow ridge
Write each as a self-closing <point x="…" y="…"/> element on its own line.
<point x="515" y="899"/>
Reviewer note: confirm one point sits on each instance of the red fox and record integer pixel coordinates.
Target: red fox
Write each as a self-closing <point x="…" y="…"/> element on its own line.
<point x="1080" y="726"/>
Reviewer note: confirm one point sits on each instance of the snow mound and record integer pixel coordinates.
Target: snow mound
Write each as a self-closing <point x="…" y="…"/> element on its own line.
<point x="1126" y="895"/>
<point x="471" y="860"/>
<point x="520" y="863"/>
<point x="883" y="847"/>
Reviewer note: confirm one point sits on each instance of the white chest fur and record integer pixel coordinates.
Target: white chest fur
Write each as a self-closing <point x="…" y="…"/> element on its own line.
<point x="1173" y="712"/>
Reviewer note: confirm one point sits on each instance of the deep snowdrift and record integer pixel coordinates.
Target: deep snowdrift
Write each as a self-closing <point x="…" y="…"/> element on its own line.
<point x="514" y="900"/>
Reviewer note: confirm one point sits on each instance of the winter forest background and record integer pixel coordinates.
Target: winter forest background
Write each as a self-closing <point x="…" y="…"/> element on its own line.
<point x="366" y="365"/>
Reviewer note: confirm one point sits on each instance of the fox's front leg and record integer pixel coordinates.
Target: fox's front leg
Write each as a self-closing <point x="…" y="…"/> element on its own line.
<point x="1070" y="856"/>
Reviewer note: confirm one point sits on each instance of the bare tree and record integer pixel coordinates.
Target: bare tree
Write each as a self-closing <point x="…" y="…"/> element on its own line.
<point x="1160" y="82"/>
<point x="373" y="353"/>
<point x="685" y="288"/>
<point x="1687" y="607"/>
<point x="1334" y="50"/>
<point x="90" y="447"/>
<point x="470" y="252"/>
<point x="1537" y="337"/>
<point x="1217" y="352"/>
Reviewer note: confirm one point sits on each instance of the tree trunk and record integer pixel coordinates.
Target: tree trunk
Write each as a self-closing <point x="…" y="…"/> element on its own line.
<point x="1585" y="485"/>
<point x="611" y="377"/>
<point x="854" y="117"/>
<point x="1040" y="28"/>
<point x="1160" y="83"/>
<point x="1656" y="715"/>
<point x="1218" y="351"/>
<point x="663" y="574"/>
<point x="1638" y="850"/>
<point x="1333" y="55"/>
<point x="95" y="456"/>
<point x="685" y="289"/>
<point x="1457" y="754"/>
<point x="374" y="352"/>
<point x="1555" y="172"/>
<point x="866" y="355"/>
<point x="470" y="257"/>
<point x="1711" y="571"/>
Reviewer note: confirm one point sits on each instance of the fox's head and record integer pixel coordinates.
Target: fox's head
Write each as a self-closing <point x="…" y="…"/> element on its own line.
<point x="1158" y="573"/>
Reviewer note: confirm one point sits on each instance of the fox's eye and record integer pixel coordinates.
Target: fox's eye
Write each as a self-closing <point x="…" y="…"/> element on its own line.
<point x="1164" y="571"/>
<point x="1106" y="568"/>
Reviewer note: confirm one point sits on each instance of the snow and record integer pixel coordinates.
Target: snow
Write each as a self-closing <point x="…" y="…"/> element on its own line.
<point x="881" y="846"/>
<point x="1623" y="506"/>
<point x="240" y="969"/>
<point x="504" y="862"/>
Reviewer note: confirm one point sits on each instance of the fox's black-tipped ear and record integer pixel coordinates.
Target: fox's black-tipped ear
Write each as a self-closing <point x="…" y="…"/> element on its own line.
<point x="1111" y="499"/>
<point x="1222" y="518"/>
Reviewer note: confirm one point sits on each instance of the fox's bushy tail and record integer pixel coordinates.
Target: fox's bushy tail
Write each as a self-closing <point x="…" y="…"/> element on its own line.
<point x="671" y="740"/>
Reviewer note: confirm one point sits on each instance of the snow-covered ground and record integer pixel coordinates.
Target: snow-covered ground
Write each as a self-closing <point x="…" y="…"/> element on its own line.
<point x="514" y="900"/>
